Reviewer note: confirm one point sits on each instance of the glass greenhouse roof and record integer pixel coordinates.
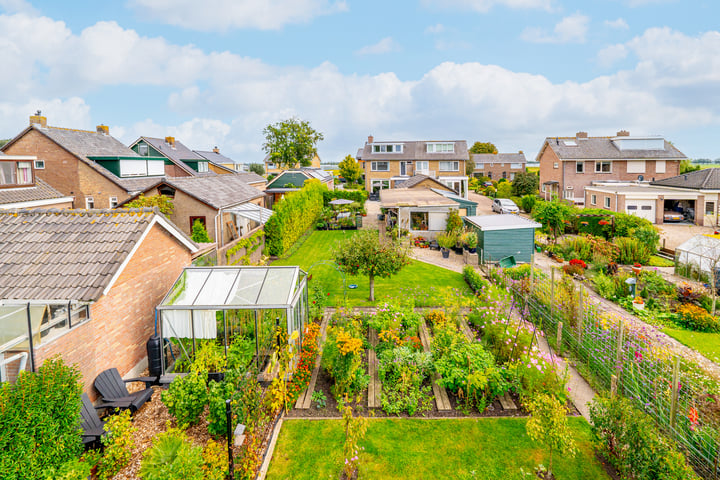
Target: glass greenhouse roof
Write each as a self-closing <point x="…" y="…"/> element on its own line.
<point x="226" y="288"/>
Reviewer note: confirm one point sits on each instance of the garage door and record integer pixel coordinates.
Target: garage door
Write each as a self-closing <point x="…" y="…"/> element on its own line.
<point x="641" y="208"/>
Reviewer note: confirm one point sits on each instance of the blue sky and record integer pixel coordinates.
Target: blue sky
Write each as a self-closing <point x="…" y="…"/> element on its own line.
<point x="507" y="71"/>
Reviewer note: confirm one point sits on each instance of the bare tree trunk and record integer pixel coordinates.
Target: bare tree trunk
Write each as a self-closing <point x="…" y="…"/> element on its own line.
<point x="372" y="287"/>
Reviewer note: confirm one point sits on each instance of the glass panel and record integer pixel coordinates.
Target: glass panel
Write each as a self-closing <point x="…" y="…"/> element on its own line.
<point x="247" y="287"/>
<point x="217" y="287"/>
<point x="241" y="336"/>
<point x="187" y="287"/>
<point x="24" y="173"/>
<point x="7" y="173"/>
<point x="277" y="287"/>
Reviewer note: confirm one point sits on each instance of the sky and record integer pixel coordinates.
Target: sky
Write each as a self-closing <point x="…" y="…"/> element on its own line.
<point x="511" y="72"/>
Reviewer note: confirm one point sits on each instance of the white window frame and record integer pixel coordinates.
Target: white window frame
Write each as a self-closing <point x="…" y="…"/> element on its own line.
<point x="579" y="167"/>
<point x="607" y="202"/>
<point x="203" y="167"/>
<point x="599" y="166"/>
<point x="374" y="166"/>
<point x="387" y="148"/>
<point x="141" y="147"/>
<point x="455" y="167"/>
<point x="25" y="166"/>
<point x="89" y="203"/>
<point x="556" y="165"/>
<point x="440" y="147"/>
<point x="593" y="199"/>
<point x="39" y="164"/>
<point x="113" y="202"/>
<point x="422" y="166"/>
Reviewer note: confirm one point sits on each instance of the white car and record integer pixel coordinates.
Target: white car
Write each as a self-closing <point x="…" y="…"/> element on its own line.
<point x="504" y="205"/>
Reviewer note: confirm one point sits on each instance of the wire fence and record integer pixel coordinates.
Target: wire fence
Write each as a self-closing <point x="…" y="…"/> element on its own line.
<point x="627" y="359"/>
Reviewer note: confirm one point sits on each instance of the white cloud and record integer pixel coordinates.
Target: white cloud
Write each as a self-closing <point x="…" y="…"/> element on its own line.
<point x="451" y="45"/>
<point x="437" y="28"/>
<point x="221" y="15"/>
<point x="484" y="6"/>
<point x="386" y="45"/>
<point x="17" y="6"/>
<point x="618" y="23"/>
<point x="571" y="29"/>
<point x="608" y="56"/>
<point x="226" y="99"/>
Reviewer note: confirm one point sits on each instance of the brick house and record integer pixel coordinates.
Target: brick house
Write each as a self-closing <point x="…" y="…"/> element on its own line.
<point x="212" y="199"/>
<point x="19" y="188"/>
<point x="569" y="164"/>
<point x="389" y="163"/>
<point x="88" y="283"/>
<point x="94" y="168"/>
<point x="498" y="165"/>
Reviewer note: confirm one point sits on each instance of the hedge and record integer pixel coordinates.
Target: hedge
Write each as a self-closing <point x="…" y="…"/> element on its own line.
<point x="474" y="279"/>
<point x="293" y="215"/>
<point x="355" y="195"/>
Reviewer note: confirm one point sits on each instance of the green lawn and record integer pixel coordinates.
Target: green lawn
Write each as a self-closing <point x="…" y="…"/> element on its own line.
<point x="706" y="343"/>
<point x="425" y="283"/>
<point x="485" y="448"/>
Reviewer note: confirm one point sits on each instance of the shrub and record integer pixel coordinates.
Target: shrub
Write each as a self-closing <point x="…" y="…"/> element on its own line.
<point x="186" y="398"/>
<point x="527" y="202"/>
<point x="75" y="469"/>
<point x="454" y="223"/>
<point x="696" y="318"/>
<point x="631" y="250"/>
<point x="40" y="420"/>
<point x="548" y="425"/>
<point x="446" y="240"/>
<point x="199" y="233"/>
<point x="577" y="247"/>
<point x="604" y="285"/>
<point x="402" y="372"/>
<point x="358" y="196"/>
<point x="342" y="357"/>
<point x="215" y="461"/>
<point x="118" y="444"/>
<point x="648" y="235"/>
<point x="171" y="457"/>
<point x="293" y="215"/>
<point x="217" y="416"/>
<point x="474" y="279"/>
<point x="632" y="443"/>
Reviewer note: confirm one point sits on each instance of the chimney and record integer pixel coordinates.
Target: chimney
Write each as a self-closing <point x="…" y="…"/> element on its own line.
<point x="216" y="150"/>
<point x="38" y="119"/>
<point x="580" y="135"/>
<point x="104" y="129"/>
<point x="370" y="139"/>
<point x="520" y="152"/>
<point x="623" y="133"/>
<point x="170" y="141"/>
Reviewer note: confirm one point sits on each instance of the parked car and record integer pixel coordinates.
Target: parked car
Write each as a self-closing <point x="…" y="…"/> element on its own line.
<point x="670" y="216"/>
<point x="504" y="205"/>
<point x="487" y="184"/>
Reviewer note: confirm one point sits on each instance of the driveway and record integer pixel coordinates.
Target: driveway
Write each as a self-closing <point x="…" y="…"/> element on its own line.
<point x="673" y="235"/>
<point x="484" y="203"/>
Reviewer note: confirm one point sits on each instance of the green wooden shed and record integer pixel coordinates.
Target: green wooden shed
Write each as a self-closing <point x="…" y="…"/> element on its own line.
<point x="501" y="236"/>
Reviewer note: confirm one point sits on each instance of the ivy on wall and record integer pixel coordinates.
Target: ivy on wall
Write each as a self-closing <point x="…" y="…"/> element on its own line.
<point x="251" y="243"/>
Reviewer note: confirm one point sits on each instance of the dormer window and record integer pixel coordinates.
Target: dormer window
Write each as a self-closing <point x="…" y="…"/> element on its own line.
<point x="142" y="149"/>
<point x="202" y="167"/>
<point x="387" y="148"/>
<point x="440" y="148"/>
<point x="15" y="173"/>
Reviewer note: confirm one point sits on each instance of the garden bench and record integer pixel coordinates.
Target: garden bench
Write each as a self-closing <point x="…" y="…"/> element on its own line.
<point x="115" y="394"/>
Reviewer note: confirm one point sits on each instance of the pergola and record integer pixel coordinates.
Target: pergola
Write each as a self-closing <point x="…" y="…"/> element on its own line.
<point x="232" y="304"/>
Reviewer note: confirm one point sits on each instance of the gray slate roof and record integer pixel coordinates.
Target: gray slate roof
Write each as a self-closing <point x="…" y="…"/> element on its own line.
<point x="416" y="150"/>
<point x="214" y="156"/>
<point x="604" y="148"/>
<point x="40" y="191"/>
<point x="250" y="177"/>
<point x="218" y="191"/>
<point x="705" y="179"/>
<point x="482" y="158"/>
<point x="65" y="254"/>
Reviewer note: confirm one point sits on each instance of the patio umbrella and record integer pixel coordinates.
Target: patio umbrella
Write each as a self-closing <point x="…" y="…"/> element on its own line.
<point x="341" y="201"/>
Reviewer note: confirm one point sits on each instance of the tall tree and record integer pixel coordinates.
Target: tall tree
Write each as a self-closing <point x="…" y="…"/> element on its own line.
<point x="686" y="166"/>
<point x="257" y="168"/>
<point x="350" y="169"/>
<point x="483" y="147"/>
<point x="291" y="142"/>
<point x="526" y="183"/>
<point x="363" y="253"/>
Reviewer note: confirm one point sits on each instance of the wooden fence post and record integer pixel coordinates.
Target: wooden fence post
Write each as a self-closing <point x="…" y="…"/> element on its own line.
<point x="559" y="338"/>
<point x="674" y="399"/>
<point x="613" y="385"/>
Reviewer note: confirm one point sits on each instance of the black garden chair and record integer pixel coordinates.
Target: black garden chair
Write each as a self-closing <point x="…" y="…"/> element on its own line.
<point x="115" y="394"/>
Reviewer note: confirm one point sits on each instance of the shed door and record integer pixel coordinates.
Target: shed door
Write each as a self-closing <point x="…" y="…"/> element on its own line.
<point x="437" y="221"/>
<point x="641" y="208"/>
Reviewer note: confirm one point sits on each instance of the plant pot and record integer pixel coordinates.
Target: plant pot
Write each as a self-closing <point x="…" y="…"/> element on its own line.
<point x="636" y="270"/>
<point x="472" y="250"/>
<point x="638" y="306"/>
<point x="445" y="253"/>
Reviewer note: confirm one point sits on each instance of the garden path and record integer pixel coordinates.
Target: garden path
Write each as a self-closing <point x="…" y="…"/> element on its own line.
<point x="659" y="337"/>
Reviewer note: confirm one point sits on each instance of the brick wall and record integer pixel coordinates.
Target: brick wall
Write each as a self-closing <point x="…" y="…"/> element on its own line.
<point x="64" y="172"/>
<point x="394" y="165"/>
<point x="123" y="320"/>
<point x="547" y="170"/>
<point x="184" y="207"/>
<point x="495" y="170"/>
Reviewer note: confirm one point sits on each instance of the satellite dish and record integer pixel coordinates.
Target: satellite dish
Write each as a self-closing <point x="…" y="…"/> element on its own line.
<point x="640" y="178"/>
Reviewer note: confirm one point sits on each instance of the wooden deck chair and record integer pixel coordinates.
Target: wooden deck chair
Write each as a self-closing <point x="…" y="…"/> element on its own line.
<point x="115" y="394"/>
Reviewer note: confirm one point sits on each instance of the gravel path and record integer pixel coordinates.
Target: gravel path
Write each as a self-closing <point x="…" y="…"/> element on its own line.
<point x="660" y="338"/>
